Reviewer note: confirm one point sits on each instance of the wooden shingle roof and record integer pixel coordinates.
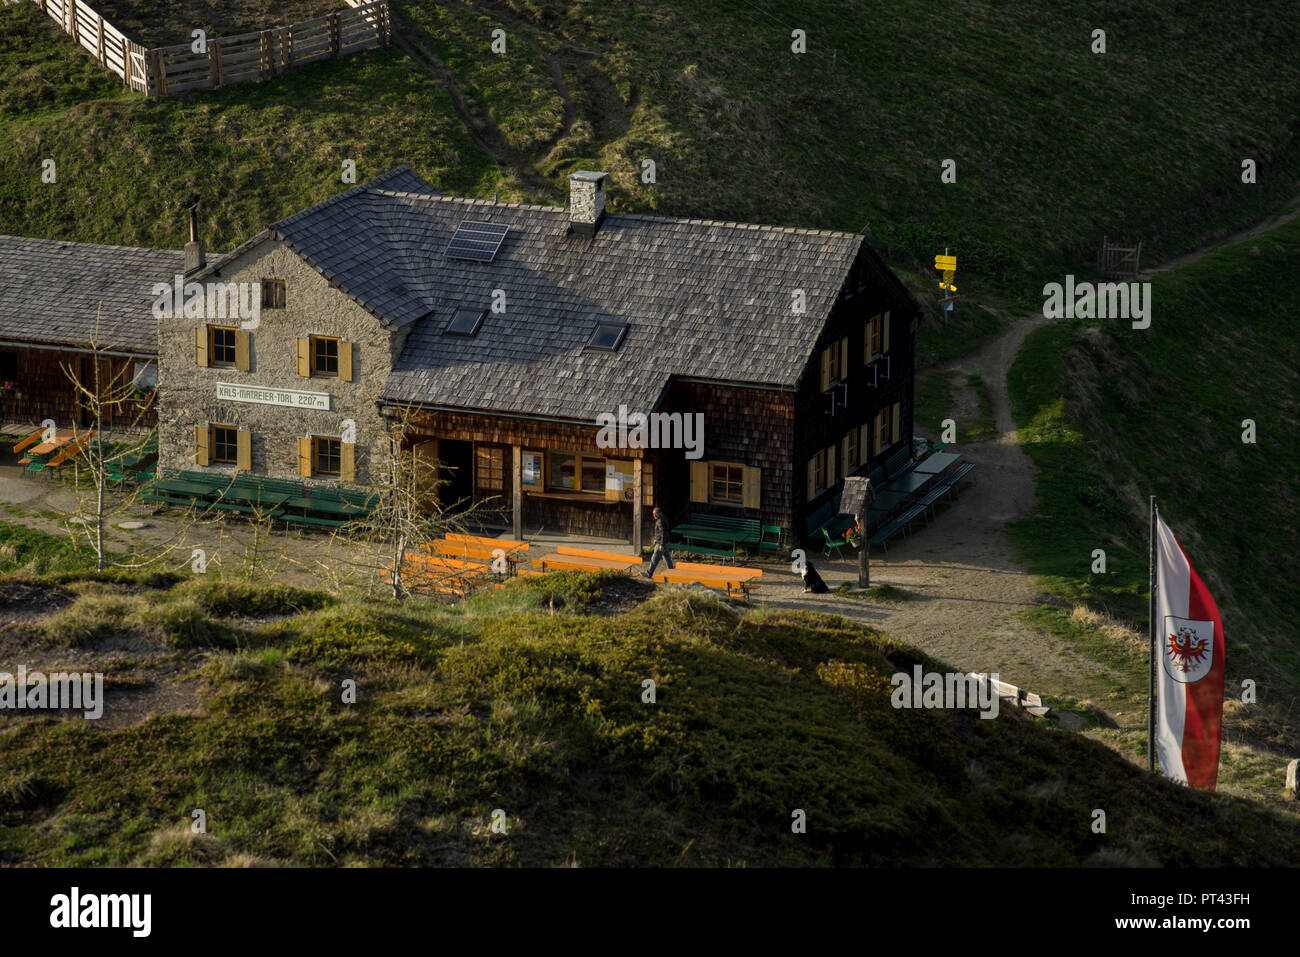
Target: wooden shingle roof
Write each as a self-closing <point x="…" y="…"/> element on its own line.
<point x="701" y="299"/>
<point x="708" y="300"/>
<point x="51" y="293"/>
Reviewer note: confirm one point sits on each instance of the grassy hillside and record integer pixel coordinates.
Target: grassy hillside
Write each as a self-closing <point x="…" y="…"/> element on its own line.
<point x="529" y="700"/>
<point x="1113" y="414"/>
<point x="1055" y="145"/>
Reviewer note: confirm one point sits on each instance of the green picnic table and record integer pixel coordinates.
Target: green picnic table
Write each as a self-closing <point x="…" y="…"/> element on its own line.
<point x="323" y="505"/>
<point x="908" y="484"/>
<point x="182" y="487"/>
<point x="256" y="496"/>
<point x="936" y="463"/>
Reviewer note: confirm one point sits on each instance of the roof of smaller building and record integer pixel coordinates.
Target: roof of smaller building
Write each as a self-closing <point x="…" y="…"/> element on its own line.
<point x="76" y="294"/>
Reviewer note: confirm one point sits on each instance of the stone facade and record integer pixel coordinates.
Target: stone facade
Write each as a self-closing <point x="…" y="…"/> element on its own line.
<point x="188" y="391"/>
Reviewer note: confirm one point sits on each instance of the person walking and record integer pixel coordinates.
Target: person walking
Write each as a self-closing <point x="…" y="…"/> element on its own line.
<point x="661" y="549"/>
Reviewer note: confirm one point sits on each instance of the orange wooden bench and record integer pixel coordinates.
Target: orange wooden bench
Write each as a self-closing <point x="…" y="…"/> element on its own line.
<point x="711" y="576"/>
<point x="475" y="550"/>
<point x="28" y="442"/>
<point x="586" y="563"/>
<point x="509" y="544"/>
<point x="592" y="553"/>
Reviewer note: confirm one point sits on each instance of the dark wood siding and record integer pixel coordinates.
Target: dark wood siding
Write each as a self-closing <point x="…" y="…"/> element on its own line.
<point x="44" y="390"/>
<point x="747" y="426"/>
<point x="865" y="294"/>
<point x="590" y="515"/>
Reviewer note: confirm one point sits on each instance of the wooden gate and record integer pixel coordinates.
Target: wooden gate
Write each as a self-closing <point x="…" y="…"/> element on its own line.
<point x="1119" y="262"/>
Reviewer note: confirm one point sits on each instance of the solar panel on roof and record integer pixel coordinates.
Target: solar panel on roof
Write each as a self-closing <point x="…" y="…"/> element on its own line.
<point x="478" y="242"/>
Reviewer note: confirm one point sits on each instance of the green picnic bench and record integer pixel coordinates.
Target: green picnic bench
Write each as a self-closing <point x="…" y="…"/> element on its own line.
<point x="900" y="463"/>
<point x="720" y="535"/>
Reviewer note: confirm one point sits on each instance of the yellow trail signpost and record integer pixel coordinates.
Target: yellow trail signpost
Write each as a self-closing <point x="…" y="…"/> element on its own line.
<point x="947" y="266"/>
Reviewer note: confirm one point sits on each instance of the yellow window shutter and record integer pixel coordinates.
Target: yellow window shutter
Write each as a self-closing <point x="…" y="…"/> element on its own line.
<point x="347" y="461"/>
<point x="345" y="361"/>
<point x="880" y="433"/>
<point x="750" y="486"/>
<point x="866" y="343"/>
<point x="884" y="333"/>
<point x="304" y="359"/>
<point x="201" y="445"/>
<point x="864" y="443"/>
<point x="830" y="466"/>
<point x="812" y="479"/>
<point x="201" y="346"/>
<point x="241" y="350"/>
<point x="844" y="455"/>
<point x="244" y="451"/>
<point x="700" y="481"/>
<point x="826" y="370"/>
<point x="844" y="358"/>
<point x="897" y="432"/>
<point x="304" y="452"/>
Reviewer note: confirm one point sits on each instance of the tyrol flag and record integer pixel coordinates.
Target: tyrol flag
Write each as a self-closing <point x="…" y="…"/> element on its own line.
<point x="1188" y="636"/>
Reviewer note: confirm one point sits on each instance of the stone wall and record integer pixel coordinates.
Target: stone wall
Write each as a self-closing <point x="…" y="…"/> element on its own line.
<point x="188" y="391"/>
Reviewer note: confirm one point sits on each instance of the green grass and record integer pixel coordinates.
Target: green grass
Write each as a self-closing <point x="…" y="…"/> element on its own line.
<point x="890" y="594"/>
<point x="253" y="153"/>
<point x="1113" y="415"/>
<point x="526" y="701"/>
<point x="932" y="401"/>
<point x="1145" y="140"/>
<point x="28" y="551"/>
<point x="936" y="401"/>
<point x="982" y="427"/>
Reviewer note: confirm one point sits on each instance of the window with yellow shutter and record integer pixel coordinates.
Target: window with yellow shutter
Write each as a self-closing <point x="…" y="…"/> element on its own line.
<point x="726" y="482"/>
<point x="224" y="444"/>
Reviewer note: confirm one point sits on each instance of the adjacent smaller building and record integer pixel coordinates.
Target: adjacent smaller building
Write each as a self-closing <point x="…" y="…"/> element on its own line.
<point x="70" y="311"/>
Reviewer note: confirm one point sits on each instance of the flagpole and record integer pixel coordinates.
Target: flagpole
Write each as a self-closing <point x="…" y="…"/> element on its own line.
<point x="1151" y="646"/>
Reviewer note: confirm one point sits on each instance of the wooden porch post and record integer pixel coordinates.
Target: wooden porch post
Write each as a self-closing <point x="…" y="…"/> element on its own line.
<point x="517" y="491"/>
<point x="636" y="506"/>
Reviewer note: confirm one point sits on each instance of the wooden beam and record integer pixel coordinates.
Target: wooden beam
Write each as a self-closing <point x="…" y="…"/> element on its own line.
<point x="517" y="492"/>
<point x="214" y="62"/>
<point x="160" y="71"/>
<point x="637" y="498"/>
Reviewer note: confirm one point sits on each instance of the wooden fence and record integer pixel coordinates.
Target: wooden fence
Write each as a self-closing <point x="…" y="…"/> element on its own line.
<point x="101" y="39"/>
<point x="167" y="71"/>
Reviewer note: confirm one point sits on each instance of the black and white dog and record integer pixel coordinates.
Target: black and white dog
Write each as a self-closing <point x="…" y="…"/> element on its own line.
<point x="812" y="582"/>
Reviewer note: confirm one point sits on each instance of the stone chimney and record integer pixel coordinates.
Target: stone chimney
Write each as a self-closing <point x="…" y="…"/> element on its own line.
<point x="194" y="254"/>
<point x="586" y="201"/>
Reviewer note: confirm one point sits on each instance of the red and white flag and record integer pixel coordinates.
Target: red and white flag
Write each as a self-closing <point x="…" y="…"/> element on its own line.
<point x="1189" y="685"/>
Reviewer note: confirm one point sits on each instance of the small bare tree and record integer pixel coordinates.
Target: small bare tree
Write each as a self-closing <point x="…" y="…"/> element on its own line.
<point x="408" y="512"/>
<point x="113" y="407"/>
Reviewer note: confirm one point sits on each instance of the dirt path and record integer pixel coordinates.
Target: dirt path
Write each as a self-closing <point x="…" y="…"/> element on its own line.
<point x="970" y="589"/>
<point x="1288" y="212"/>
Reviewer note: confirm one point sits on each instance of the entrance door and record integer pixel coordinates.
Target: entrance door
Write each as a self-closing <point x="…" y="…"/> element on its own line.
<point x="424" y="462"/>
<point x="457" y="472"/>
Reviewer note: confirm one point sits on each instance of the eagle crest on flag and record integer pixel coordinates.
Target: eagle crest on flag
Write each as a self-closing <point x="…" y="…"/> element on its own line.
<point x="1188" y="649"/>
